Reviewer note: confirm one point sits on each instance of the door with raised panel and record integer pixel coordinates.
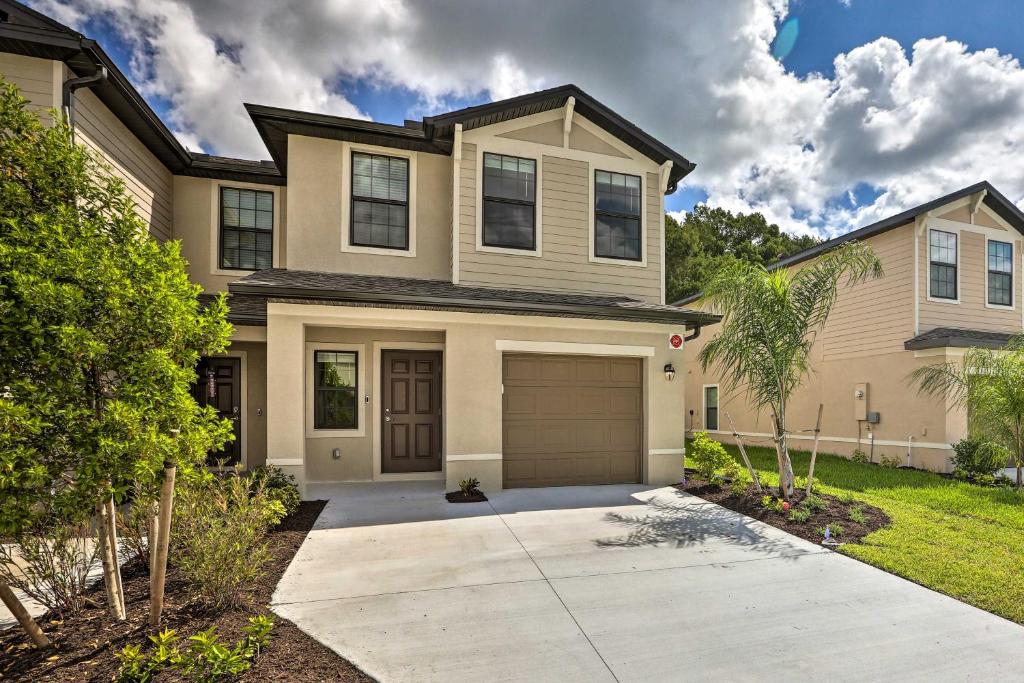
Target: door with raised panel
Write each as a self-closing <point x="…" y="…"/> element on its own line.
<point x="411" y="411"/>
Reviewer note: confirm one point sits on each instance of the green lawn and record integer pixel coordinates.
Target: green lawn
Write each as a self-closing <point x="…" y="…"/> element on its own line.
<point x="962" y="540"/>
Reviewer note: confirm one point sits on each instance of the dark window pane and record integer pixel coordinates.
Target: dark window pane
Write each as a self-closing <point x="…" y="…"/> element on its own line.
<point x="617" y="237"/>
<point x="335" y="396"/>
<point x="507" y="177"/>
<point x="247" y="224"/>
<point x="380" y="209"/>
<point x="942" y="247"/>
<point x="711" y="407"/>
<point x="943" y="281"/>
<point x="508" y="225"/>
<point x="1000" y="287"/>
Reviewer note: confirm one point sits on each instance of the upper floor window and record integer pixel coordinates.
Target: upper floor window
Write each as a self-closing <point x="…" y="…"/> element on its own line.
<point x="617" y="216"/>
<point x="510" y="196"/>
<point x="380" y="201"/>
<point x="335" y="390"/>
<point x="1000" y="273"/>
<point x="942" y="265"/>
<point x="246" y="228"/>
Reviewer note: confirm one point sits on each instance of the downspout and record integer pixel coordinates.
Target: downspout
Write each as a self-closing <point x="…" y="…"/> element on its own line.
<point x="696" y="333"/>
<point x="68" y="94"/>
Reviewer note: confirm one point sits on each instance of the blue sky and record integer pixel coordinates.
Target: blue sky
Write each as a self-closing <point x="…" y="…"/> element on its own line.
<point x="781" y="140"/>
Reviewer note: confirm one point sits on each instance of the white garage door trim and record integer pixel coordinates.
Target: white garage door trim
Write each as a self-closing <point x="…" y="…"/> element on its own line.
<point x="574" y="348"/>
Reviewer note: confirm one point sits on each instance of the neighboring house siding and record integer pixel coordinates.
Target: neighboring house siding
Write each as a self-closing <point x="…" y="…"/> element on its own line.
<point x="564" y="264"/>
<point x="36" y="78"/>
<point x="876" y="316"/>
<point x="147" y="180"/>
<point x="971" y="312"/>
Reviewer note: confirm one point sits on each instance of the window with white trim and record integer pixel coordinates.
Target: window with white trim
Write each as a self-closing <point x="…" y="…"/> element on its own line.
<point x="1000" y="273"/>
<point x="617" y="216"/>
<point x="711" y="407"/>
<point x="380" y="201"/>
<point x="510" y="202"/>
<point x="942" y="265"/>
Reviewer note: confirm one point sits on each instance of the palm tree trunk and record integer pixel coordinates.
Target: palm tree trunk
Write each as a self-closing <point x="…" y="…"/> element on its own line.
<point x="787" y="484"/>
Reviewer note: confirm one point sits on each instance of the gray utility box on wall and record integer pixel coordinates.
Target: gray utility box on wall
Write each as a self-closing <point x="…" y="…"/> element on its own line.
<point x="874" y="417"/>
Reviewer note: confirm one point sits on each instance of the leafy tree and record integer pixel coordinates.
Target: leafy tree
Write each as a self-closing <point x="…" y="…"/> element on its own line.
<point x="709" y="238"/>
<point x="989" y="383"/>
<point x="770" y="321"/>
<point x="100" y="333"/>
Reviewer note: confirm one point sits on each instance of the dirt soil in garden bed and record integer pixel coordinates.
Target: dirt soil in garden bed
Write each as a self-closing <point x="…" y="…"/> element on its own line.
<point x="85" y="644"/>
<point x="460" y="497"/>
<point x="835" y="513"/>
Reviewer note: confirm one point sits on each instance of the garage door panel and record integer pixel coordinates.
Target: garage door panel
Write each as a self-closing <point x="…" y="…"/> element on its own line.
<point x="571" y="420"/>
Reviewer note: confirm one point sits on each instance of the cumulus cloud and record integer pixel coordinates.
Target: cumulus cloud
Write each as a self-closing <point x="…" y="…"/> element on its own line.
<point x="699" y="75"/>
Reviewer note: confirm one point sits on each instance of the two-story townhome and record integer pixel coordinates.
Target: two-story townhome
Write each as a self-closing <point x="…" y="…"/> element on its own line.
<point x="952" y="280"/>
<point x="477" y="294"/>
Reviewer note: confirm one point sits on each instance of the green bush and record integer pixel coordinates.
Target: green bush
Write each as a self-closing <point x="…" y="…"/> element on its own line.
<point x="857" y="515"/>
<point x="278" y="486"/>
<point x="220" y="527"/>
<point x="859" y="456"/>
<point x="977" y="459"/>
<point x="799" y="514"/>
<point x="469" y="486"/>
<point x="815" y="503"/>
<point x="890" y="461"/>
<point x="707" y="456"/>
<point x="205" y="660"/>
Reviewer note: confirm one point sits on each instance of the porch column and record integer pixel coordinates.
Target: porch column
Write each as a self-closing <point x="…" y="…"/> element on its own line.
<point x="285" y="396"/>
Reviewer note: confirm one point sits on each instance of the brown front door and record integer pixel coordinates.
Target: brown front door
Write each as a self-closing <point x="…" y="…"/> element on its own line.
<point x="219" y="385"/>
<point x="411" y="411"/>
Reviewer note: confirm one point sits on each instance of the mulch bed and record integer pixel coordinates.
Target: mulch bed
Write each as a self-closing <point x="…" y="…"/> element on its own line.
<point x="85" y="644"/>
<point x="475" y="496"/>
<point x="836" y="511"/>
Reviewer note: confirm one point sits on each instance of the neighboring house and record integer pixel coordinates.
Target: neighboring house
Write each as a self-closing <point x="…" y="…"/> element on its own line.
<point x="477" y="294"/>
<point x="952" y="280"/>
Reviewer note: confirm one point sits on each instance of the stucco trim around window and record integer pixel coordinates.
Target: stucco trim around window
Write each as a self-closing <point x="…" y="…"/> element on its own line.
<point x="347" y="148"/>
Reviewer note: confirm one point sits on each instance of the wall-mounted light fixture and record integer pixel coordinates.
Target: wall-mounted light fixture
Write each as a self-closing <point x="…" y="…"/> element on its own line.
<point x="670" y="372"/>
<point x="336" y="454"/>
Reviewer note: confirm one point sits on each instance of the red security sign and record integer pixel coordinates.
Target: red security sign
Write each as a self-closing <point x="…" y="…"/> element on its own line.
<point x="675" y="341"/>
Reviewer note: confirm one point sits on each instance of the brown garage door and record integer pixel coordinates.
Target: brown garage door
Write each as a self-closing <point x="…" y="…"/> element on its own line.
<point x="571" y="420"/>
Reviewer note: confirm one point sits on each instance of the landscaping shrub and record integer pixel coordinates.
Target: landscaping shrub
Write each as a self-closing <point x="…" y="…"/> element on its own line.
<point x="205" y="660"/>
<point x="977" y="459"/>
<point x="278" y="486"/>
<point x="738" y="479"/>
<point x="50" y="563"/>
<point x="469" y="486"/>
<point x="859" y="456"/>
<point x="890" y="461"/>
<point x="220" y="527"/>
<point x="857" y="515"/>
<point x="799" y="514"/>
<point x="707" y="456"/>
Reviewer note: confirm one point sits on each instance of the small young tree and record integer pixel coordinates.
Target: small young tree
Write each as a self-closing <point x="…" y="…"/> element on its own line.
<point x="100" y="333"/>
<point x="770" y="319"/>
<point x="989" y="384"/>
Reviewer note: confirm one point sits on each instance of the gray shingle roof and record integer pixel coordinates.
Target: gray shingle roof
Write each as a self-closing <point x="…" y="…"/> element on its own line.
<point x="279" y="284"/>
<point x="945" y="337"/>
<point x="243" y="309"/>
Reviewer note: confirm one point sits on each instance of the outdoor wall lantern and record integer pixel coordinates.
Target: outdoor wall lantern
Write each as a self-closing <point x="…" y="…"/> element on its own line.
<point x="670" y="372"/>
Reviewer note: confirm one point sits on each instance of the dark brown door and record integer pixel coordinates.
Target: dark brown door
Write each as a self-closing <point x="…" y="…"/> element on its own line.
<point x="219" y="385"/>
<point x="569" y="420"/>
<point x="411" y="407"/>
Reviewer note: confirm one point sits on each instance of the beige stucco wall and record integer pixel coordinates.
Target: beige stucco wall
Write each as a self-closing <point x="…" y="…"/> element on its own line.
<point x="197" y="225"/>
<point x="472" y="384"/>
<point x="317" y="171"/>
<point x="563" y="260"/>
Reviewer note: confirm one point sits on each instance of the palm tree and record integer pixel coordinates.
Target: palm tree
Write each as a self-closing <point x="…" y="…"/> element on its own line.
<point x="990" y="385"/>
<point x="770" y="319"/>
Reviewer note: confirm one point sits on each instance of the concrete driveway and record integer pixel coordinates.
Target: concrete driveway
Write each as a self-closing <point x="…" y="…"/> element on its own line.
<point x="610" y="583"/>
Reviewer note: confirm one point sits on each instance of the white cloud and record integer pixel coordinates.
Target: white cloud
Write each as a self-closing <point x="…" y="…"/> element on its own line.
<point x="698" y="75"/>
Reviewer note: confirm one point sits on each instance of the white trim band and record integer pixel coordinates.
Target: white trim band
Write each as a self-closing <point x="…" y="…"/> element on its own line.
<point x="838" y="439"/>
<point x="474" y="456"/>
<point x="666" y="451"/>
<point x="573" y="348"/>
<point x="284" y="462"/>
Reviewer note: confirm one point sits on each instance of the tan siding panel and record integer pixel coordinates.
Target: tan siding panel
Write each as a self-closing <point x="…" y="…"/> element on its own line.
<point x="565" y="214"/>
<point x="147" y="180"/>
<point x="34" y="77"/>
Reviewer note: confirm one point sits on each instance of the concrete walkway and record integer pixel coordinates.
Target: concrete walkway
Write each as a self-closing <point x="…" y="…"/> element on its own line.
<point x="612" y="583"/>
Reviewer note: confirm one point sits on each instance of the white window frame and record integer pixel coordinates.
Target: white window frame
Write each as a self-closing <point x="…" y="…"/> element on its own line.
<point x="347" y="148"/>
<point x="592" y="218"/>
<point x="1013" y="274"/>
<point x="928" y="261"/>
<point x="215" y="267"/>
<point x="704" y="407"/>
<point x="362" y="388"/>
